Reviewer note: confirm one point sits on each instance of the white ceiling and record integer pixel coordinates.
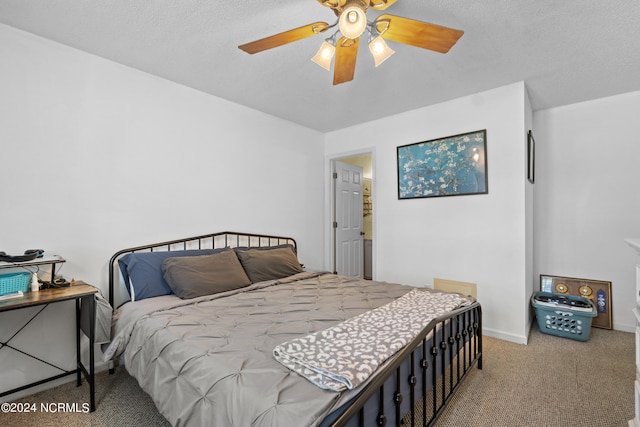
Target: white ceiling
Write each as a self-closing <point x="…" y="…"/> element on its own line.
<point x="566" y="51"/>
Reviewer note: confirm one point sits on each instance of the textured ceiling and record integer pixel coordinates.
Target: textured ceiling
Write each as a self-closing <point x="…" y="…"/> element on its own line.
<point x="565" y="51"/>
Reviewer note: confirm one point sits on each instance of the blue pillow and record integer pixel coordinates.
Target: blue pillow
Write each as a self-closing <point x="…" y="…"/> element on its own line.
<point x="142" y="271"/>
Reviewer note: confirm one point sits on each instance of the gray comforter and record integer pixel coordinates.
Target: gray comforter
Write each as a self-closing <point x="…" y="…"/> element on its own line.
<point x="208" y="361"/>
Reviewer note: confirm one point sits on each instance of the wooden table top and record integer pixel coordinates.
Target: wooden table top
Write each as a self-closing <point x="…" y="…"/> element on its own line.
<point x="46" y="296"/>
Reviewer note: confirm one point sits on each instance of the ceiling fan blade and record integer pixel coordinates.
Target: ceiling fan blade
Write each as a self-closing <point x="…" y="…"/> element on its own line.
<point x="333" y="4"/>
<point x="381" y="4"/>
<point x="417" y="33"/>
<point x="345" y="62"/>
<point x="285" y="37"/>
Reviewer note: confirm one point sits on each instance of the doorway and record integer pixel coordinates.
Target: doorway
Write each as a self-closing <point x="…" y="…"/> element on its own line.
<point x="353" y="225"/>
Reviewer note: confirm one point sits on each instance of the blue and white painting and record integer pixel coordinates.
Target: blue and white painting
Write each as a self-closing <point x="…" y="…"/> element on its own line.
<point x="450" y="166"/>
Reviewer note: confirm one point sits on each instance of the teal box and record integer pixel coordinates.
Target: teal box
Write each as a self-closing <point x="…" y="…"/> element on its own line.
<point x="12" y="283"/>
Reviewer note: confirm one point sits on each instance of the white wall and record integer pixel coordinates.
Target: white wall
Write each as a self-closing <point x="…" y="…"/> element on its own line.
<point x="97" y="157"/>
<point x="587" y="198"/>
<point x="478" y="238"/>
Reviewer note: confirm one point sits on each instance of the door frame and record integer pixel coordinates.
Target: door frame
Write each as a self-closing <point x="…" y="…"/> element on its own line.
<point x="329" y="253"/>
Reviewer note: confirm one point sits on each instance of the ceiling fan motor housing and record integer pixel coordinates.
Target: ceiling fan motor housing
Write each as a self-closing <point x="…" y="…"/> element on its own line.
<point x="353" y="18"/>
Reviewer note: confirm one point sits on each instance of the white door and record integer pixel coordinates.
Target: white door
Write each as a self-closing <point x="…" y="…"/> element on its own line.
<point x="348" y="232"/>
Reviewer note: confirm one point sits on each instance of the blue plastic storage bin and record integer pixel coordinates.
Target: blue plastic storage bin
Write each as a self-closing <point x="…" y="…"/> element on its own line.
<point x="566" y="316"/>
<point x="14" y="282"/>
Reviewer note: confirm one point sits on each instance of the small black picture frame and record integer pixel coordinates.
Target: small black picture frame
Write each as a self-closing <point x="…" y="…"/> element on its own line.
<point x="531" y="157"/>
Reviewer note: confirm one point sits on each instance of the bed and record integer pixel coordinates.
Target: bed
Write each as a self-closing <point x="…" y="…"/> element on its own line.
<point x="228" y="329"/>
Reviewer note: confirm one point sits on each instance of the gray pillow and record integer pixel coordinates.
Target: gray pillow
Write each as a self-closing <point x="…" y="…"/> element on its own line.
<point x="194" y="276"/>
<point x="142" y="271"/>
<point x="269" y="264"/>
<point x="266" y="248"/>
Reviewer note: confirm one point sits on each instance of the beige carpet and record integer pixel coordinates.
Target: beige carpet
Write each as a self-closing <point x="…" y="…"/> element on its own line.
<point x="550" y="382"/>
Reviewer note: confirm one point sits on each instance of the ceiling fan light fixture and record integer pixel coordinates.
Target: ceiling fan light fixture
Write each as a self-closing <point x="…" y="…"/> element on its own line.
<point x="352" y="24"/>
<point x="353" y="21"/>
<point x="380" y="50"/>
<point x="324" y="55"/>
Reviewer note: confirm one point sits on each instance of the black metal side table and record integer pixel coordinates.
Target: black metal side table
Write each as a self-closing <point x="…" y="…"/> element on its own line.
<point x="82" y="293"/>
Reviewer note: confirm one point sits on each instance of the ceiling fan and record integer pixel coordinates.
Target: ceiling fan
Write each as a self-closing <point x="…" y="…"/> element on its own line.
<point x="352" y="24"/>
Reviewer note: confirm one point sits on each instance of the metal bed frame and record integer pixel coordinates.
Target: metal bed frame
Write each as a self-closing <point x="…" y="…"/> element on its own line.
<point x="414" y="388"/>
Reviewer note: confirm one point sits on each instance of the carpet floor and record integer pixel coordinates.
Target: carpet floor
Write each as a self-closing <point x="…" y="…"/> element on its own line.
<point x="550" y="382"/>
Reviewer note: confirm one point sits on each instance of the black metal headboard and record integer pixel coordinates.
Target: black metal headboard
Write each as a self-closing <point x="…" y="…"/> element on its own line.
<point x="207" y="241"/>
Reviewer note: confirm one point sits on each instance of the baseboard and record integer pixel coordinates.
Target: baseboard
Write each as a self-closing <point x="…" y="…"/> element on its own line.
<point x="98" y="367"/>
<point x="624" y="328"/>
<point x="518" y="339"/>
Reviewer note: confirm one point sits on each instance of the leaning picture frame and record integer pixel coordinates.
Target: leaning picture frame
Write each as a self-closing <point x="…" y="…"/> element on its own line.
<point x="599" y="291"/>
<point x="451" y="166"/>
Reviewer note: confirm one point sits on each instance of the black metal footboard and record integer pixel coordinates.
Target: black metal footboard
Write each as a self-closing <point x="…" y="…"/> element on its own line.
<point x="415" y="388"/>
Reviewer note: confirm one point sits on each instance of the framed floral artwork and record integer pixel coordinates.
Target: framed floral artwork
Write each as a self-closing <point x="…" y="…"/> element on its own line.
<point x="451" y="166"/>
